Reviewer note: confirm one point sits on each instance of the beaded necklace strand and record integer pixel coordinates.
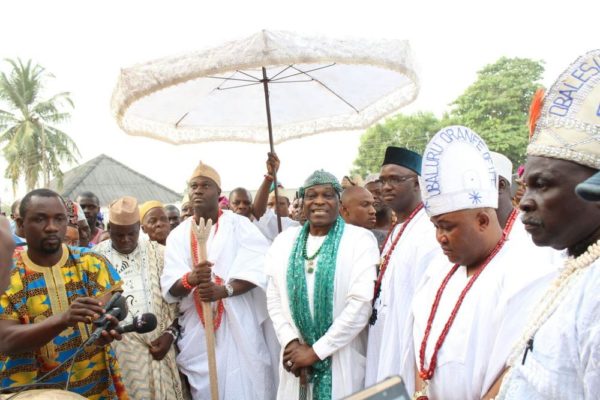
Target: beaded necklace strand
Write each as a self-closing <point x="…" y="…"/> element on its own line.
<point x="559" y="289"/>
<point x="553" y="297"/>
<point x="310" y="260"/>
<point x="386" y="259"/>
<point x="388" y="256"/>
<point x="218" y="314"/>
<point x="510" y="221"/>
<point x="427" y="374"/>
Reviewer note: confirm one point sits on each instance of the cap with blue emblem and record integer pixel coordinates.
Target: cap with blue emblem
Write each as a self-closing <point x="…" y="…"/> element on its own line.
<point x="457" y="172"/>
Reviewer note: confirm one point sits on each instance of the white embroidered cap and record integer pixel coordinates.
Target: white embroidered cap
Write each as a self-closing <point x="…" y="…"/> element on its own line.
<point x="457" y="172"/>
<point x="569" y="125"/>
<point x="503" y="166"/>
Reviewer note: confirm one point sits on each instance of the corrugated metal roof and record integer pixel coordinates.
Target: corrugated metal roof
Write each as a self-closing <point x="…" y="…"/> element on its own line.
<point x="109" y="179"/>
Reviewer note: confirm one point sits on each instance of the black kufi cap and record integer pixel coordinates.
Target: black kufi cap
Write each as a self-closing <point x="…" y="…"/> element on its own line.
<point x="403" y="157"/>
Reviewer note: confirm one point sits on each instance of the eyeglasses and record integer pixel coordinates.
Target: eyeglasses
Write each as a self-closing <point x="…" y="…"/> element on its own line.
<point x="395" y="180"/>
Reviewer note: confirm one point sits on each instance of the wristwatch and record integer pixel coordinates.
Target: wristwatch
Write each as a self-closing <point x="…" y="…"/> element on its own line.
<point x="229" y="290"/>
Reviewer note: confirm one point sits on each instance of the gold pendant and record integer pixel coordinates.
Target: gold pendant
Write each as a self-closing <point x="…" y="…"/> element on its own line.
<point x="310" y="268"/>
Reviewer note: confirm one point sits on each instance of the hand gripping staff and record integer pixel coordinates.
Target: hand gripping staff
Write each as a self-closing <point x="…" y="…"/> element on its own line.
<point x="202" y="231"/>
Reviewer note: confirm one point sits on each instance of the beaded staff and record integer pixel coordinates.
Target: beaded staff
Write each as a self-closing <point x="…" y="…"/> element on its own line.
<point x="202" y="231"/>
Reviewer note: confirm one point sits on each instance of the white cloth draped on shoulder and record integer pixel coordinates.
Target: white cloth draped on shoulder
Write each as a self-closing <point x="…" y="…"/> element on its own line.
<point x="345" y="341"/>
<point x="243" y="361"/>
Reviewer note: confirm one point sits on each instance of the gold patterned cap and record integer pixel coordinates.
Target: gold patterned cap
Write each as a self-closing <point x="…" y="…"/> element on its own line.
<point x="124" y="211"/>
<point x="569" y="124"/>
<point x="206" y="171"/>
<point x="147" y="206"/>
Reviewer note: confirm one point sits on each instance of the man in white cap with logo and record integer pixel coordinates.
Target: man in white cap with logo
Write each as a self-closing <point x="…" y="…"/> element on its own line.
<point x="232" y="279"/>
<point x="558" y="354"/>
<point x="473" y="300"/>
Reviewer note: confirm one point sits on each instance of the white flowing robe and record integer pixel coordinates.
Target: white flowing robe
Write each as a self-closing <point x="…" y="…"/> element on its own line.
<point x="243" y="360"/>
<point x="345" y="340"/>
<point x="565" y="361"/>
<point x="489" y="322"/>
<point x="388" y="338"/>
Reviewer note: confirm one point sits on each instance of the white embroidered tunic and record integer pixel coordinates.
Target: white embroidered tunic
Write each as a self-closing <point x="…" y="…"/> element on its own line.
<point x="565" y="361"/>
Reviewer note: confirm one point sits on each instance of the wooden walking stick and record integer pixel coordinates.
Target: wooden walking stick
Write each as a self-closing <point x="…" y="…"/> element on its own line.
<point x="202" y="231"/>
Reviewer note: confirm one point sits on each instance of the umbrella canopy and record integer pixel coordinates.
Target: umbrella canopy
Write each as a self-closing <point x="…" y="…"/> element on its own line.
<point x="315" y="85"/>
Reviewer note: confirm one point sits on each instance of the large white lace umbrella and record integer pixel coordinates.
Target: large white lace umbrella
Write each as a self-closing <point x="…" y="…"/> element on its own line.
<point x="298" y="85"/>
<point x="315" y="84"/>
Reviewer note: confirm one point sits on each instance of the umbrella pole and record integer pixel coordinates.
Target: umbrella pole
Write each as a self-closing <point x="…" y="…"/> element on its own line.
<point x="265" y="82"/>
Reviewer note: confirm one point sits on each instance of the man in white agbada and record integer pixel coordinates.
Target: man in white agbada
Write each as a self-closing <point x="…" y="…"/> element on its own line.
<point x="319" y="296"/>
<point x="147" y="360"/>
<point x="406" y="254"/>
<point x="473" y="300"/>
<point x="233" y="280"/>
<point x="558" y="356"/>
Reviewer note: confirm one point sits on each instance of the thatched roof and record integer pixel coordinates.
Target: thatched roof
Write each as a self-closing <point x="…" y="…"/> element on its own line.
<point x="109" y="179"/>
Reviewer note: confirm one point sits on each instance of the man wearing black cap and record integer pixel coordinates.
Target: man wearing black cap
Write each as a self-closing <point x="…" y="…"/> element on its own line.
<point x="402" y="263"/>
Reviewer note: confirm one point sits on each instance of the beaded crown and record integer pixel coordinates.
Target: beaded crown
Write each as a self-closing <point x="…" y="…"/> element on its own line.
<point x="320" y="177"/>
<point x="569" y="124"/>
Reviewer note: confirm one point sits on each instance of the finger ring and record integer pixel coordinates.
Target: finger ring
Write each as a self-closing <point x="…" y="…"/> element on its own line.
<point x="289" y="364"/>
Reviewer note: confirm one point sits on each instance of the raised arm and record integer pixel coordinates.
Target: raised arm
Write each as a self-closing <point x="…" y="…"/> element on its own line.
<point x="259" y="207"/>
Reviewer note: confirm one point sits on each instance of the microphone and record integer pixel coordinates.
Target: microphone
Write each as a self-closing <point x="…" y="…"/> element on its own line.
<point x="141" y="324"/>
<point x="117" y="307"/>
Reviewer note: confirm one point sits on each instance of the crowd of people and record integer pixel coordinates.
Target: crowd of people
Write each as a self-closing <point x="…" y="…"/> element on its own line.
<point x="440" y="268"/>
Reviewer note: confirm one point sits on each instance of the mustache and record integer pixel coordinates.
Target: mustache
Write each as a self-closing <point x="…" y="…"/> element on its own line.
<point x="51" y="237"/>
<point x="531" y="221"/>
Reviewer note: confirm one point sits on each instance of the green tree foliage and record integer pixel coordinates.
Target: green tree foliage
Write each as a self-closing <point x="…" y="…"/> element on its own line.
<point x="496" y="105"/>
<point x="410" y="131"/>
<point x="34" y="146"/>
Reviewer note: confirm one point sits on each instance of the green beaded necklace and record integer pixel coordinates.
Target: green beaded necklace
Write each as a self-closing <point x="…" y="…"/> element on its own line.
<point x="313" y="326"/>
<point x="310" y="260"/>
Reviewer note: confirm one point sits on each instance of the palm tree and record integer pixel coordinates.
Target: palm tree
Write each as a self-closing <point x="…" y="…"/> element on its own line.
<point x="34" y="145"/>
